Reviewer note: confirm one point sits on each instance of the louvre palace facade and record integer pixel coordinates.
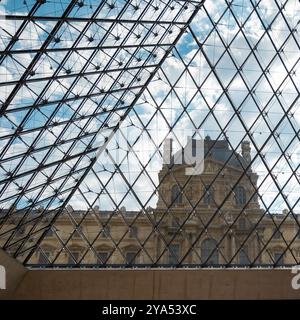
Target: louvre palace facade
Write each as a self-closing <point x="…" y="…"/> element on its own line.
<point x="199" y="220"/>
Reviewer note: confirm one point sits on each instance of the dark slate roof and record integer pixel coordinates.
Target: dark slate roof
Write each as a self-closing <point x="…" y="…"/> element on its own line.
<point x="218" y="150"/>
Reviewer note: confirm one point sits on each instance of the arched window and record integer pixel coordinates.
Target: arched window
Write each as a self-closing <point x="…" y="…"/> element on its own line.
<point x="209" y="196"/>
<point x="240" y="195"/>
<point x="176" y="196"/>
<point x="209" y="253"/>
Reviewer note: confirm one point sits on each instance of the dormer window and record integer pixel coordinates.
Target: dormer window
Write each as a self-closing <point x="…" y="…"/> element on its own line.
<point x="240" y="195"/>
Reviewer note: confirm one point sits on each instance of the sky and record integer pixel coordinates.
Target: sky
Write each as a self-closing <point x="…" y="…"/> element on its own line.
<point x="170" y="102"/>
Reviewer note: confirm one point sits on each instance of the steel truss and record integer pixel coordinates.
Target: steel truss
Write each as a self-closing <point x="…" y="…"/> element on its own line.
<point x="94" y="69"/>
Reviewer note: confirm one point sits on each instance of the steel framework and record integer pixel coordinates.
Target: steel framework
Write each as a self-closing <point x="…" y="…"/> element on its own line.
<point x="85" y="83"/>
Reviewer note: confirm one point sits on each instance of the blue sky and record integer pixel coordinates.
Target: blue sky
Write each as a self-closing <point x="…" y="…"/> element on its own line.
<point x="160" y="95"/>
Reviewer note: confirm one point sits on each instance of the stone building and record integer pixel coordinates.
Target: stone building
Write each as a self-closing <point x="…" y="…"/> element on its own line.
<point x="224" y="196"/>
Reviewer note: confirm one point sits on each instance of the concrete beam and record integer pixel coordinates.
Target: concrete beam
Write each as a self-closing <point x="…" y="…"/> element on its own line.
<point x="157" y="284"/>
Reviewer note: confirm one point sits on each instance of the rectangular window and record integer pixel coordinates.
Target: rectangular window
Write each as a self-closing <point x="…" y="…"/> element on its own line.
<point x="278" y="258"/>
<point x="131" y="257"/>
<point x="102" y="256"/>
<point x="105" y="233"/>
<point x="44" y="257"/>
<point x="76" y="256"/>
<point x="277" y="234"/>
<point x="77" y="233"/>
<point x="133" y="232"/>
<point x="243" y="255"/>
<point x="174" y="253"/>
<point x="50" y="233"/>
<point x="20" y="231"/>
<point x="208" y="197"/>
<point x="242" y="224"/>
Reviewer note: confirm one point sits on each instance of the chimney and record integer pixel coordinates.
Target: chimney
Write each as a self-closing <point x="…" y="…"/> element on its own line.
<point x="246" y="151"/>
<point x="167" y="151"/>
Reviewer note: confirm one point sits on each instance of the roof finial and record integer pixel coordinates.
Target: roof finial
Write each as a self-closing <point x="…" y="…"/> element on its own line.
<point x="207" y="137"/>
